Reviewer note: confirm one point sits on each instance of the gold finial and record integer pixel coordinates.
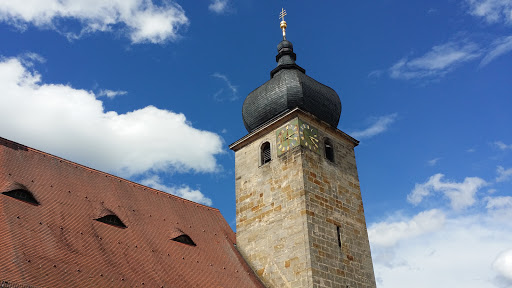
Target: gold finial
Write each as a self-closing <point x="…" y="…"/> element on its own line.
<point x="283" y="23"/>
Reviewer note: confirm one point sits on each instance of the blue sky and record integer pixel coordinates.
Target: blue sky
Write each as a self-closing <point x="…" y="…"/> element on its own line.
<point x="152" y="91"/>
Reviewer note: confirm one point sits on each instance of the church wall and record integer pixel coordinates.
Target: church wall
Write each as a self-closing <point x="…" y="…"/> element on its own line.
<point x="334" y="200"/>
<point x="271" y="215"/>
<point x="289" y="211"/>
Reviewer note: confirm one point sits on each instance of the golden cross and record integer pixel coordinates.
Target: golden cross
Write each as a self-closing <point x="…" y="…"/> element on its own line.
<point x="283" y="13"/>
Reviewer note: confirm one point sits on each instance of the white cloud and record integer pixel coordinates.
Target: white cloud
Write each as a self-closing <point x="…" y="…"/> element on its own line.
<point x="28" y="59"/>
<point x="386" y="234"/>
<point x="180" y="191"/>
<point x="499" y="202"/>
<point x="437" y="62"/>
<point x="461" y="195"/>
<point x="380" y="125"/>
<point x="499" y="208"/>
<point x="503" y="267"/>
<point x="73" y="124"/>
<point x="141" y="19"/>
<point x="433" y="162"/>
<point x="432" y="11"/>
<point x="503" y="174"/>
<point x="499" y="47"/>
<point x="111" y="93"/>
<point x="375" y="73"/>
<point x="233" y="90"/>
<point x="502" y="146"/>
<point x="218" y="6"/>
<point x="493" y="11"/>
<point x="458" y="253"/>
<point x="436" y="248"/>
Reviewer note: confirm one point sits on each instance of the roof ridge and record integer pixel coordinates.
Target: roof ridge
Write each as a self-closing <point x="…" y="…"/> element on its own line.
<point x="7" y="142"/>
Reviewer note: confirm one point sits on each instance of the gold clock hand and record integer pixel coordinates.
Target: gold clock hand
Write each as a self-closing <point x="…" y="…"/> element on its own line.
<point x="288" y="137"/>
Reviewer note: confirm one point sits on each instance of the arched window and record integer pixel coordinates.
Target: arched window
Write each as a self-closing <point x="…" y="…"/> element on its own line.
<point x="329" y="150"/>
<point x="265" y="153"/>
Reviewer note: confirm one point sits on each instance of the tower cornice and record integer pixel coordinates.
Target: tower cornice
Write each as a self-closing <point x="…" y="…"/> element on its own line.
<point x="283" y="118"/>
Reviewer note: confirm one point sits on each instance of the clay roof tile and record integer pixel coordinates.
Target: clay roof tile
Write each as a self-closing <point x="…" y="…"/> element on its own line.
<point x="58" y="243"/>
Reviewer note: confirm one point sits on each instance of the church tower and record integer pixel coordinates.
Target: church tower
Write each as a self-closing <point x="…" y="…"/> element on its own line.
<point x="299" y="212"/>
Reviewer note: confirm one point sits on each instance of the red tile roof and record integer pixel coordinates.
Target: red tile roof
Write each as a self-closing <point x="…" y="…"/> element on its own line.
<point x="59" y="244"/>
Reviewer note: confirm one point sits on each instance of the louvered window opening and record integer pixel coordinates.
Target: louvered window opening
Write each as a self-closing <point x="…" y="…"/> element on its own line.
<point x="329" y="150"/>
<point x="23" y="195"/>
<point x="185" y="239"/>
<point x="265" y="153"/>
<point x="112" y="220"/>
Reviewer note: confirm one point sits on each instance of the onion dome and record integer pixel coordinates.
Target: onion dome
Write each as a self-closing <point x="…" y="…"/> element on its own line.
<point x="289" y="87"/>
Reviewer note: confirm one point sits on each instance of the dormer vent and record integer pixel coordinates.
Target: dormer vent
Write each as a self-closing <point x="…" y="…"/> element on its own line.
<point x="112" y="220"/>
<point x="185" y="239"/>
<point x="23" y="195"/>
<point x="179" y="236"/>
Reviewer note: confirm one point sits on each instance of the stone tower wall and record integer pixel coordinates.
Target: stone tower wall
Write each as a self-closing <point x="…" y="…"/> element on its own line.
<point x="271" y="215"/>
<point x="334" y="203"/>
<point x="288" y="211"/>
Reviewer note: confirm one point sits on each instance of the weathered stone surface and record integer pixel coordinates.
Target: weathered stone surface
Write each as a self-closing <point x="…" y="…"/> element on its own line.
<point x="289" y="211"/>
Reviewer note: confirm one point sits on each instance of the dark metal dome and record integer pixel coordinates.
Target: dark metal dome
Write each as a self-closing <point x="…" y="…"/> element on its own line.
<point x="288" y="88"/>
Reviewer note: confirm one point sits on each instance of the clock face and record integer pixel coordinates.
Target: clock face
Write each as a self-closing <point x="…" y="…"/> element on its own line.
<point x="287" y="138"/>
<point x="308" y="136"/>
